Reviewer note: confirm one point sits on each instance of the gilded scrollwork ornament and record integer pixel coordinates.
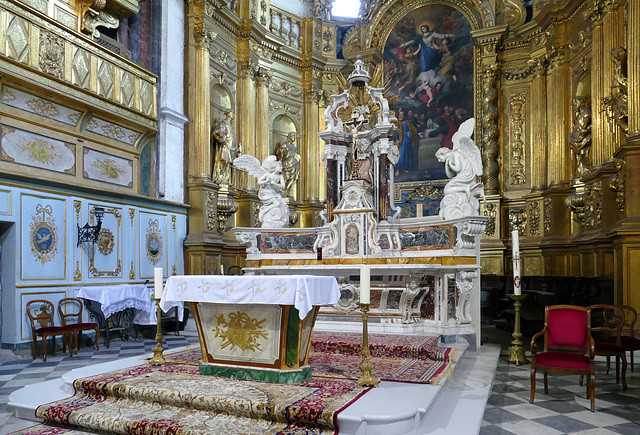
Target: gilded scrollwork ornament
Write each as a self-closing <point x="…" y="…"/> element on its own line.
<point x="51" y="54"/>
<point x="547" y="216"/>
<point x="518" y="220"/>
<point x="616" y="183"/>
<point x="211" y="207"/>
<point x="534" y="218"/>
<point x="490" y="210"/>
<point x="518" y="175"/>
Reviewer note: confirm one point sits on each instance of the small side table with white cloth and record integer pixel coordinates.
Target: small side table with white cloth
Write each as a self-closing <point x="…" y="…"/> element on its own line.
<point x="254" y="326"/>
<point x="121" y="307"/>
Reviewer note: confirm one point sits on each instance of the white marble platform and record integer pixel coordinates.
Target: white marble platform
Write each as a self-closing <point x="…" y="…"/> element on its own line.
<point x="457" y="407"/>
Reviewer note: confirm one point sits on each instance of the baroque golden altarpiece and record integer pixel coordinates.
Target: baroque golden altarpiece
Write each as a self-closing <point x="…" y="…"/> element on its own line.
<point x="556" y="97"/>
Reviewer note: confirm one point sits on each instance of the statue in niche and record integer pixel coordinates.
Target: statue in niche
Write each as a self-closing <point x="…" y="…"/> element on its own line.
<point x="290" y="159"/>
<point x="224" y="148"/>
<point x="274" y="212"/>
<point x="463" y="165"/>
<point x="580" y="137"/>
<point x="616" y="103"/>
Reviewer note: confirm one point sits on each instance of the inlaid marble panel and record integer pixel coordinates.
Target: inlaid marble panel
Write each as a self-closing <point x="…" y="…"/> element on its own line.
<point x="393" y="299"/>
<point x="30" y="149"/>
<point x="427" y="238"/>
<point x="290" y="243"/>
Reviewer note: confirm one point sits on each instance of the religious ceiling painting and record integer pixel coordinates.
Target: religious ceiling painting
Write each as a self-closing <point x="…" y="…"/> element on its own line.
<point x="428" y="56"/>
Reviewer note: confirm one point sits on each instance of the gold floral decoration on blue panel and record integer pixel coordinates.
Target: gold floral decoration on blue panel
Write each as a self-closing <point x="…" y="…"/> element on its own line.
<point x="241" y="331"/>
<point x="108" y="168"/>
<point x="40" y="151"/>
<point x="44" y="234"/>
<point x="154" y="242"/>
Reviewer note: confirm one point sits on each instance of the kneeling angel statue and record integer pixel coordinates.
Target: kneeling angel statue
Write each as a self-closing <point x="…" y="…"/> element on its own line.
<point x="463" y="165"/>
<point x="274" y="212"/>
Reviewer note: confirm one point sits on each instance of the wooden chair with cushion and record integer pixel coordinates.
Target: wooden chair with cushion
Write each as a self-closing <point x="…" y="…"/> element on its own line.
<point x="628" y="341"/>
<point x="568" y="347"/>
<point x="40" y="314"/>
<point x="606" y="324"/>
<point x="70" y="310"/>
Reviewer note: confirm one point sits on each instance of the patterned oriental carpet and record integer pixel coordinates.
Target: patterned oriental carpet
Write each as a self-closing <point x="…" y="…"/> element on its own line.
<point x="399" y="358"/>
<point x="176" y="399"/>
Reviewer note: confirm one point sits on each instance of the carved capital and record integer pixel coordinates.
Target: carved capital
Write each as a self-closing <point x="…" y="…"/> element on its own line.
<point x="263" y="76"/>
<point x="203" y="36"/>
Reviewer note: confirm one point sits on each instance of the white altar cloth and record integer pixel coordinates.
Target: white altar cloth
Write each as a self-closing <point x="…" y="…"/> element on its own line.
<point x="301" y="291"/>
<point x="115" y="298"/>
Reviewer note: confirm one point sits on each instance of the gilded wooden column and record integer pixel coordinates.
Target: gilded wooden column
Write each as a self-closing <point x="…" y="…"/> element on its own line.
<point x="599" y="124"/>
<point x="613" y="34"/>
<point x="559" y="120"/>
<point x="199" y="108"/>
<point x="246" y="108"/>
<point x="539" y="157"/>
<point x="262" y="81"/>
<point x="633" y="65"/>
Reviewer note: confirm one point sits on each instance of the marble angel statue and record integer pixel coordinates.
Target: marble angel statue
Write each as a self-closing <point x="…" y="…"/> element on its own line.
<point x="274" y="212"/>
<point x="463" y="165"/>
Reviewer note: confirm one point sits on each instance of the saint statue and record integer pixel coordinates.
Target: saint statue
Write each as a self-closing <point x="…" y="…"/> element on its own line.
<point x="225" y="148"/>
<point x="580" y="137"/>
<point x="287" y="155"/>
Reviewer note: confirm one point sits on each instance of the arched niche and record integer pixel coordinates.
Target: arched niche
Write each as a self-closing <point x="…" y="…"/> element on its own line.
<point x="282" y="125"/>
<point x="220" y="100"/>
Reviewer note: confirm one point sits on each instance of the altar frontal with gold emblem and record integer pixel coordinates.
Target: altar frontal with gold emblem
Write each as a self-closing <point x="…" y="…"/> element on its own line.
<point x="254" y="327"/>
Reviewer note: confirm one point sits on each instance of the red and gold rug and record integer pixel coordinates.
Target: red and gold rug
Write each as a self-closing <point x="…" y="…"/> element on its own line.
<point x="398" y="358"/>
<point x="176" y="399"/>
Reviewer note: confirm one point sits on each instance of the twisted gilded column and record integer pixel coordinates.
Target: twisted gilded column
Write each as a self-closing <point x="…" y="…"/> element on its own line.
<point x="490" y="145"/>
<point x="539" y="158"/>
<point x="262" y="81"/>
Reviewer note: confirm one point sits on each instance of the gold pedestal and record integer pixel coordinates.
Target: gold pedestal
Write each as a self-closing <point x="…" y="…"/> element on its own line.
<point x="367" y="379"/>
<point x="516" y="352"/>
<point x="158" y="358"/>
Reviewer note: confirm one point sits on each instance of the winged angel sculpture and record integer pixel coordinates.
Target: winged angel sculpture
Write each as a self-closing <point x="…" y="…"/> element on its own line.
<point x="463" y="164"/>
<point x="274" y="212"/>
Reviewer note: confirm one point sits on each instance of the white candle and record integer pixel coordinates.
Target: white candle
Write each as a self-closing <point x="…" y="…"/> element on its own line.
<point x="158" y="276"/>
<point x="222" y="269"/>
<point x="365" y="280"/>
<point x="419" y="209"/>
<point x="517" y="288"/>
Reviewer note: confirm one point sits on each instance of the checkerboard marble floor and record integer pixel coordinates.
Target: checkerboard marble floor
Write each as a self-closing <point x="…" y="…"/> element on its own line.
<point x="564" y="410"/>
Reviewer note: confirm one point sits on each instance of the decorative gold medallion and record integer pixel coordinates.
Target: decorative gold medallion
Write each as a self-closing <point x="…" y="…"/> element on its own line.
<point x="44" y="234"/>
<point x="154" y="242"/>
<point x="241" y="331"/>
<point x="105" y="241"/>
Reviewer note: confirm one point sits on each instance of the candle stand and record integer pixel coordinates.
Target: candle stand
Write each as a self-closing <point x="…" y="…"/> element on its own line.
<point x="366" y="379"/>
<point x="158" y="358"/>
<point x="516" y="352"/>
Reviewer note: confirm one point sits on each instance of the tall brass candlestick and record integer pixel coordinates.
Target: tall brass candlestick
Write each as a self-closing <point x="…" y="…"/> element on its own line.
<point x="158" y="358"/>
<point x="367" y="379"/>
<point x="516" y="352"/>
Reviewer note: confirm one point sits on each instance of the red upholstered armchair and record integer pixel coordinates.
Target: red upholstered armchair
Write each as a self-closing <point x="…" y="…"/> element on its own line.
<point x="568" y="347"/>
